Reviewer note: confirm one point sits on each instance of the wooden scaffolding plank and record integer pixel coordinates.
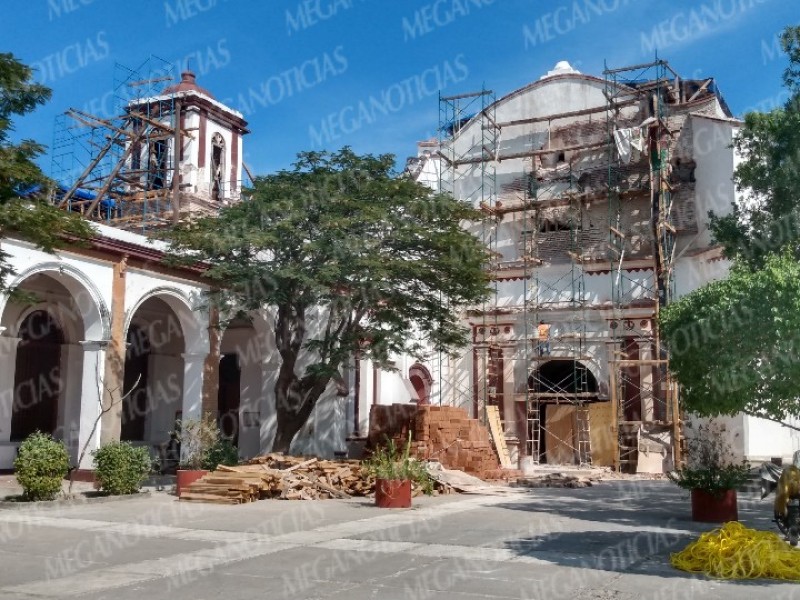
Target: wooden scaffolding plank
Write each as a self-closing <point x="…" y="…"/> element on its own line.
<point x="496" y="429"/>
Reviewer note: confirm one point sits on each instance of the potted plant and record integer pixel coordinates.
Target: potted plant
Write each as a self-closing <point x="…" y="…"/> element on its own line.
<point x="394" y="474"/>
<point x="711" y="475"/>
<point x="196" y="437"/>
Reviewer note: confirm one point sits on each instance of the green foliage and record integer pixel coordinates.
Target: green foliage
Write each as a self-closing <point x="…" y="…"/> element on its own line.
<point x="734" y="344"/>
<point x="389" y="463"/>
<point x="711" y="465"/>
<point x="767" y="220"/>
<point x="40" y="466"/>
<point x="121" y="468"/>
<point x="221" y="452"/>
<point x="353" y="258"/>
<point x="33" y="219"/>
<point x="197" y="438"/>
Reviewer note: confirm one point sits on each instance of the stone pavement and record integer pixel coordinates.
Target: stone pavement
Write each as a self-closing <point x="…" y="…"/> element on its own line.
<point x="608" y="541"/>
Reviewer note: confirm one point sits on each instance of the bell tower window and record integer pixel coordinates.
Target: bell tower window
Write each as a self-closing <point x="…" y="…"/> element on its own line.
<point x="217" y="166"/>
<point x="157" y="164"/>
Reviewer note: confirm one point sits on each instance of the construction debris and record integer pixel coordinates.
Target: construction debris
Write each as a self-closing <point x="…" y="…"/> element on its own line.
<point x="287" y="478"/>
<point x="557" y="480"/>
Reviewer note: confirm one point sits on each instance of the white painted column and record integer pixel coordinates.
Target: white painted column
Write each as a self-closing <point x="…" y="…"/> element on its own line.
<point x="510" y="424"/>
<point x="269" y="374"/>
<point x="193" y="385"/>
<point x="646" y="380"/>
<point x="94" y="357"/>
<point x="8" y="364"/>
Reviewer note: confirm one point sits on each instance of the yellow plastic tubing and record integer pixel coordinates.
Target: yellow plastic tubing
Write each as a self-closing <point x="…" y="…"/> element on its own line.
<point x="736" y="552"/>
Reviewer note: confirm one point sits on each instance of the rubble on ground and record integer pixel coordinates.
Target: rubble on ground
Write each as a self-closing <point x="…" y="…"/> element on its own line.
<point x="288" y="478"/>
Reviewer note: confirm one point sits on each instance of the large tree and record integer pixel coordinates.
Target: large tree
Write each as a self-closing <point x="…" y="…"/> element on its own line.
<point x="767" y="219"/>
<point x="31" y="216"/>
<point x="350" y="257"/>
<point x="735" y="344"/>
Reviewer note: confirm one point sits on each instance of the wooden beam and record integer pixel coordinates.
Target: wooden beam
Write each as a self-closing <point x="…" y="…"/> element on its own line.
<point x="528" y="153"/>
<point x="637" y="363"/>
<point x="701" y="89"/>
<point x="566" y="115"/>
<point x="117" y="168"/>
<point x="95" y="161"/>
<point x="159" y="125"/>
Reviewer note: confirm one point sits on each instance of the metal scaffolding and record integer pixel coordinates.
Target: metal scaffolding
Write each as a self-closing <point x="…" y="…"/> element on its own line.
<point x="644" y="395"/>
<point x="468" y="171"/>
<point x="122" y="169"/>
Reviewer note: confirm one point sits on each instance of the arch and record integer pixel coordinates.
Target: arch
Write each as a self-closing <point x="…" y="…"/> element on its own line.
<point x="94" y="312"/>
<point x="422" y="381"/>
<point x="195" y="334"/>
<point x="164" y="339"/>
<point x="563" y="376"/>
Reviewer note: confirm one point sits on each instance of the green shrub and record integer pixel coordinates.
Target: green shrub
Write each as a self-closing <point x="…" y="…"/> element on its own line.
<point x="222" y="452"/>
<point x="387" y="462"/>
<point x="41" y="465"/>
<point x="120" y="468"/>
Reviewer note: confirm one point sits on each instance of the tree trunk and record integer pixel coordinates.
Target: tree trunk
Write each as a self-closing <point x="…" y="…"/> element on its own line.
<point x="287" y="429"/>
<point x="295" y="400"/>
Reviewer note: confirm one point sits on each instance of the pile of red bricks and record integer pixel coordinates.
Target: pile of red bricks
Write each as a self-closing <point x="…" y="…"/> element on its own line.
<point x="442" y="433"/>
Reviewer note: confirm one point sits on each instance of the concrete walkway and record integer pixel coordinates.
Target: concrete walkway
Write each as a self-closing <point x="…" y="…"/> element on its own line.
<point x="608" y="541"/>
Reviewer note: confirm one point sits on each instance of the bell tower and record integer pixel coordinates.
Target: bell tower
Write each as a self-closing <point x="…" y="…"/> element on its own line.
<point x="210" y="161"/>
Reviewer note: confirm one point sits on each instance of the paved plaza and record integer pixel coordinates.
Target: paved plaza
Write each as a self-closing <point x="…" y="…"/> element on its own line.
<point x="608" y="541"/>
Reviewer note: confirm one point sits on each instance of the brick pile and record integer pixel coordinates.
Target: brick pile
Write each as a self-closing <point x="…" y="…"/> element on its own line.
<point x="442" y="433"/>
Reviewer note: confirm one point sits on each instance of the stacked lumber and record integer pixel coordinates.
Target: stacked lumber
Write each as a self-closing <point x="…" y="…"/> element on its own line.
<point x="442" y="433"/>
<point x="279" y="476"/>
<point x="287" y="478"/>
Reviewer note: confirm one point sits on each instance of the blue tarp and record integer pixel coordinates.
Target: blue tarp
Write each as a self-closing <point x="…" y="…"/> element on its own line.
<point x="81" y="194"/>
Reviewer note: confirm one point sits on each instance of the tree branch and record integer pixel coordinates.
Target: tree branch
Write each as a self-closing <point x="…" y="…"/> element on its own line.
<point x="778" y="421"/>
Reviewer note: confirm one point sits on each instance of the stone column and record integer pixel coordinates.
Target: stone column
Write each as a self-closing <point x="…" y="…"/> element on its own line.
<point x="193" y="365"/>
<point x="92" y="389"/>
<point x="114" y="377"/>
<point x="8" y="367"/>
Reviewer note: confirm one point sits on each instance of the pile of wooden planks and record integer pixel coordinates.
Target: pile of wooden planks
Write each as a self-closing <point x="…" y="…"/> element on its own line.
<point x="279" y="476"/>
<point x="287" y="478"/>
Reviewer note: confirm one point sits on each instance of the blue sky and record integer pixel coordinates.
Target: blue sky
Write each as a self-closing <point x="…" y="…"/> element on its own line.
<point x="314" y="74"/>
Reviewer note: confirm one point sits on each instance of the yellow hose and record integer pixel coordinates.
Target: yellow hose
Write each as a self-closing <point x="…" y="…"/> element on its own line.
<point x="736" y="552"/>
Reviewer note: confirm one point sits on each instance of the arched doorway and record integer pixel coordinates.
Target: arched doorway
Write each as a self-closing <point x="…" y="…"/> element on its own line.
<point x="422" y="381"/>
<point x="154" y="374"/>
<point x="557" y="387"/>
<point x="53" y="350"/>
<point x="241" y="393"/>
<point x="134" y="405"/>
<point x="229" y="396"/>
<point x="37" y="376"/>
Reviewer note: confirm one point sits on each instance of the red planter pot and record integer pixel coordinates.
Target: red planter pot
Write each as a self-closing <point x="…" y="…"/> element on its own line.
<point x="393" y="493"/>
<point x="709" y="508"/>
<point x="185" y="478"/>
